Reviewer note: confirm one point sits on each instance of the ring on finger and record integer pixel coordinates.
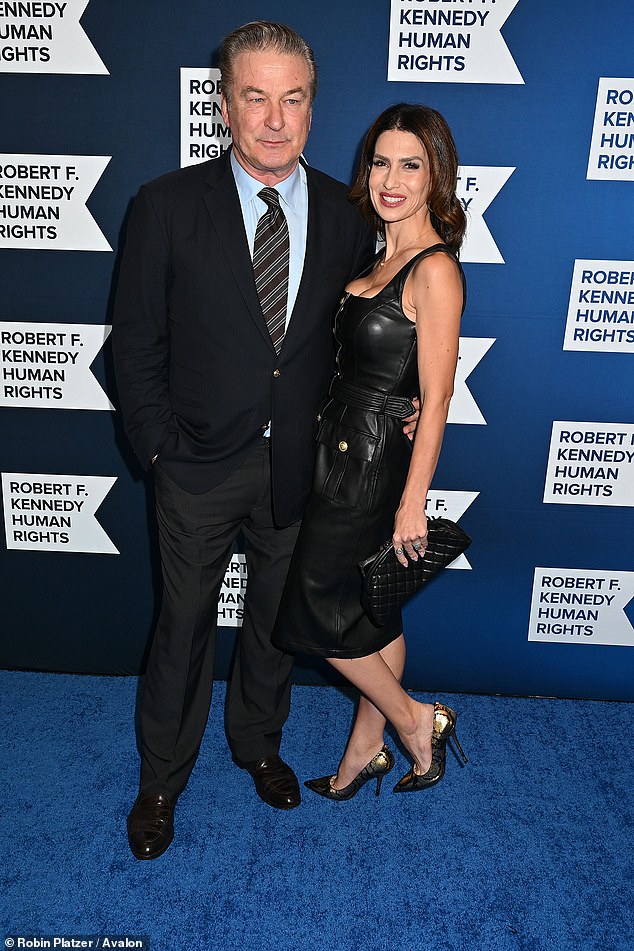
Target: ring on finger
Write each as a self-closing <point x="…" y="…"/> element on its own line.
<point x="398" y="551"/>
<point x="417" y="547"/>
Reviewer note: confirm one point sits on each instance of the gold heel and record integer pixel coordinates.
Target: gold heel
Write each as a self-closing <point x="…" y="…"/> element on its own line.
<point x="444" y="728"/>
<point x="456" y="743"/>
<point x="378" y="767"/>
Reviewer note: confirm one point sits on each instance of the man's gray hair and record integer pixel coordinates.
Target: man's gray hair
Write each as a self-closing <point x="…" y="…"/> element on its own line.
<point x="263" y="35"/>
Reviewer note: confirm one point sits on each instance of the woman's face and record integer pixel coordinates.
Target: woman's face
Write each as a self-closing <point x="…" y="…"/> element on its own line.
<point x="399" y="176"/>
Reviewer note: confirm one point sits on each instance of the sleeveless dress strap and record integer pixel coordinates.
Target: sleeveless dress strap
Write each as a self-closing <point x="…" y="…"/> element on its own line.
<point x="398" y="281"/>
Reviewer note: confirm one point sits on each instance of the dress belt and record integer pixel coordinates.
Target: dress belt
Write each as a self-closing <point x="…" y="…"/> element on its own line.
<point x="366" y="398"/>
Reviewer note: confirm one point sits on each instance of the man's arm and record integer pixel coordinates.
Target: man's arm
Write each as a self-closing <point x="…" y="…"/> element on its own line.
<point x="140" y="339"/>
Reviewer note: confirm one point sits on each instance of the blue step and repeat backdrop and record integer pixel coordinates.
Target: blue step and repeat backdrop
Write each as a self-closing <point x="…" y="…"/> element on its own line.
<point x="538" y="461"/>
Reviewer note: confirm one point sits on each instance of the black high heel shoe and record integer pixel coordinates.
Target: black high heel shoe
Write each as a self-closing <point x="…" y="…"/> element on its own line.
<point x="444" y="728"/>
<point x="378" y="767"/>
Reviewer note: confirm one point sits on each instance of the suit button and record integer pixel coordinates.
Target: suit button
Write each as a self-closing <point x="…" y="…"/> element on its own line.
<point x="276" y="372"/>
<point x="343" y="446"/>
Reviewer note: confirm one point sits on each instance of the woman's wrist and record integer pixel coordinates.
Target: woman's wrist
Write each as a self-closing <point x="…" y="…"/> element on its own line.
<point x="413" y="498"/>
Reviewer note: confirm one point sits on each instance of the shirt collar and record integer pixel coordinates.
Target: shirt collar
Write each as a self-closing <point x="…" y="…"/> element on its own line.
<point x="248" y="187"/>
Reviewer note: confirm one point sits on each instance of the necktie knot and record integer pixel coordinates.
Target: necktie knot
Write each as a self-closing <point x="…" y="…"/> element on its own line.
<point x="271" y="197"/>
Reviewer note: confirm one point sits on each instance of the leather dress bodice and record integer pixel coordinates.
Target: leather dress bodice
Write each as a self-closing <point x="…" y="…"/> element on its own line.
<point x="376" y="341"/>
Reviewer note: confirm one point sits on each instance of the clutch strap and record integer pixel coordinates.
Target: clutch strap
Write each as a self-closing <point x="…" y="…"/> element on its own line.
<point x="366" y="398"/>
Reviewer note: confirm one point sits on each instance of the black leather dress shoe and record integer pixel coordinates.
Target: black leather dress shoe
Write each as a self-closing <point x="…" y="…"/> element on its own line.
<point x="275" y="782"/>
<point x="151" y="826"/>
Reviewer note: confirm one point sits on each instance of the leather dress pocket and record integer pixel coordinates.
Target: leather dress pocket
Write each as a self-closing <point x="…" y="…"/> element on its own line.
<point x="344" y="465"/>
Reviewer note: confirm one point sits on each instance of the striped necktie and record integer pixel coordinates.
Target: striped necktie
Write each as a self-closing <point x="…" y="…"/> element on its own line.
<point x="270" y="265"/>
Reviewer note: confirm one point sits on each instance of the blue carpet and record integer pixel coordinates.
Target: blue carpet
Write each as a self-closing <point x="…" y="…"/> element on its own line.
<point x="529" y="847"/>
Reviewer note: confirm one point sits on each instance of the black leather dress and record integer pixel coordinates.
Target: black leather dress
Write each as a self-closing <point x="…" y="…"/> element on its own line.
<point x="362" y="462"/>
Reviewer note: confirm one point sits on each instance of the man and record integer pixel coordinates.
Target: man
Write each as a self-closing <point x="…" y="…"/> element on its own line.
<point x="225" y="411"/>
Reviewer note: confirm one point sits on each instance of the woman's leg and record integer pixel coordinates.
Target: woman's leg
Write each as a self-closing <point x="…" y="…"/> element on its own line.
<point x="368" y="731"/>
<point x="377" y="676"/>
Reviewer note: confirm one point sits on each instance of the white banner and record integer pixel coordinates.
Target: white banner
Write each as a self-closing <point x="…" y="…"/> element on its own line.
<point x="231" y="598"/>
<point x="601" y="307"/>
<point x="43" y="202"/>
<point x="450" y="42"/>
<point x="203" y="133"/>
<point x="573" y="606"/>
<point x="463" y="407"/>
<point x="450" y="504"/>
<point x="55" y="512"/>
<point x="47" y="366"/>
<point x="477" y="187"/>
<point x="43" y="37"/>
<point x="612" y="145"/>
<point x="591" y="464"/>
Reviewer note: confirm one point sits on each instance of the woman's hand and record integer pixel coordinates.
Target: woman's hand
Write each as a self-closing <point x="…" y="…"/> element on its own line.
<point x="411" y="422"/>
<point x="410" y="532"/>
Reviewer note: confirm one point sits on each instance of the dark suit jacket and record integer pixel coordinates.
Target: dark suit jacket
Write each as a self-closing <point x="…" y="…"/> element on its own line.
<point x="197" y="373"/>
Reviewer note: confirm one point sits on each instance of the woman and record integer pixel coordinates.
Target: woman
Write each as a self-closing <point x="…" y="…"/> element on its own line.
<point x="398" y="331"/>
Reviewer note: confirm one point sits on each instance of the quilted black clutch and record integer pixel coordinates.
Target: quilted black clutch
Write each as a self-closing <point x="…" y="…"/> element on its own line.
<point x="387" y="584"/>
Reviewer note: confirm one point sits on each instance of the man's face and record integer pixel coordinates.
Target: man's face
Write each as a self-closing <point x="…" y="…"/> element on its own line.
<point x="270" y="113"/>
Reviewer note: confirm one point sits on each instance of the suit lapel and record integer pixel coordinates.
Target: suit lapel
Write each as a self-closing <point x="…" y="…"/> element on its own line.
<point x="223" y="205"/>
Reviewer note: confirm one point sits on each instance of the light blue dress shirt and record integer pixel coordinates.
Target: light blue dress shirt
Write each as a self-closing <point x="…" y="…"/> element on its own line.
<point x="293" y="193"/>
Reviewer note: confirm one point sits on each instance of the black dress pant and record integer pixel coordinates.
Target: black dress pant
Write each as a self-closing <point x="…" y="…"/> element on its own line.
<point x="197" y="534"/>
